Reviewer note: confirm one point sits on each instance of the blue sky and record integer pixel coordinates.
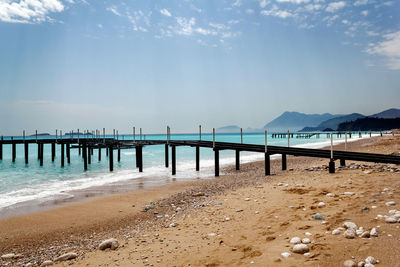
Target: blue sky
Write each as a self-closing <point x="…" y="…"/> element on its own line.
<point x="67" y="64"/>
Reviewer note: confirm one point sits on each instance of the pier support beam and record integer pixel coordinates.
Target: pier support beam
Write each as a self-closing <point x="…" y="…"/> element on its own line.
<point x="216" y="161"/>
<point x="99" y="153"/>
<point x="342" y="162"/>
<point x="85" y="163"/>
<point x="119" y="154"/>
<point x="1" y="148"/>
<point x="237" y="159"/>
<point x="284" y="165"/>
<point x="197" y="158"/>
<point x="166" y="156"/>
<point x="62" y="154"/>
<point x="38" y="151"/>
<point x="107" y="151"/>
<point x="53" y="151"/>
<point x="26" y="148"/>
<point x="173" y="160"/>
<point x="111" y="158"/>
<point x="41" y="154"/>
<point x="68" y="153"/>
<point x="139" y="155"/>
<point x="332" y="166"/>
<point x="267" y="164"/>
<point x="89" y="155"/>
<point x="14" y="152"/>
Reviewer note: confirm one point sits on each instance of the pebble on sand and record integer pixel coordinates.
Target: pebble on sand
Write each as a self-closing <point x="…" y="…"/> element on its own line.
<point x="349" y="263"/>
<point x="46" y="263"/>
<point x="390" y="203"/>
<point x="391" y="219"/>
<point x="111" y="243"/>
<point x="318" y="216"/>
<point x="67" y="256"/>
<point x="371" y="260"/>
<point x="8" y="256"/>
<point x="285" y="254"/>
<point x="350" y="225"/>
<point x="306" y="241"/>
<point x="301" y="248"/>
<point x="350" y="234"/>
<point x="373" y="232"/>
<point x="336" y="232"/>
<point x="321" y="204"/>
<point x="295" y="240"/>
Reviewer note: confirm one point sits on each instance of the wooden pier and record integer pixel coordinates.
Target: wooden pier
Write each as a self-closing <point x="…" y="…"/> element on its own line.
<point x="88" y="145"/>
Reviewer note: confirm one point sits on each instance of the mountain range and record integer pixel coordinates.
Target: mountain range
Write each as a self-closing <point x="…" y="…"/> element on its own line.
<point x="296" y="121"/>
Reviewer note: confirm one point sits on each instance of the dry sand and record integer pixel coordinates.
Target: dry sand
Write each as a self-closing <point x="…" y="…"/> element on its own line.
<point x="239" y="219"/>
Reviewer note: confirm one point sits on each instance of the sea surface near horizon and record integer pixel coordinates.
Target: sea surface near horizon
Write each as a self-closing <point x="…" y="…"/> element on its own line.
<point x="21" y="183"/>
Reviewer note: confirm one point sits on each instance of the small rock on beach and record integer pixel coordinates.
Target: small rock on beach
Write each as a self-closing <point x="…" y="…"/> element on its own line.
<point x="111" y="243"/>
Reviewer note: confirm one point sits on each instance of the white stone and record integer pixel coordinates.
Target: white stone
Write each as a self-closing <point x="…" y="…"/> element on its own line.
<point x="369" y="265"/>
<point x="361" y="264"/>
<point x="212" y="234"/>
<point x="308" y="234"/>
<point x="373" y="232"/>
<point x="392" y="212"/>
<point x="306" y="241"/>
<point x="350" y="234"/>
<point x="390" y="219"/>
<point x="390" y="203"/>
<point x="301" y="248"/>
<point x="111" y="243"/>
<point x="371" y="260"/>
<point x="246" y="199"/>
<point x="46" y="263"/>
<point x="386" y="189"/>
<point x="285" y="254"/>
<point x="348" y="193"/>
<point x="350" y="225"/>
<point x="295" y="240"/>
<point x="349" y="263"/>
<point x="321" y="204"/>
<point x="67" y="256"/>
<point x="373" y="207"/>
<point x="8" y="256"/>
<point x="330" y="195"/>
<point x="365" y="235"/>
<point x="336" y="232"/>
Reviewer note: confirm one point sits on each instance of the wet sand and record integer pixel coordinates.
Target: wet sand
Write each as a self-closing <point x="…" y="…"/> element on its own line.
<point x="203" y="236"/>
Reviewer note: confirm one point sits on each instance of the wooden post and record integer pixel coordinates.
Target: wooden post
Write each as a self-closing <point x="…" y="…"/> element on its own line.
<point x="53" y="151"/>
<point x="213" y="137"/>
<point x="26" y="148"/>
<point x="200" y="132"/>
<point x="119" y="154"/>
<point x="216" y="159"/>
<point x="41" y="154"/>
<point x="89" y="155"/>
<point x="134" y="135"/>
<point x="241" y="135"/>
<point x="111" y="158"/>
<point x="62" y="154"/>
<point x="14" y="150"/>
<point x="197" y="158"/>
<point x="331" y="166"/>
<point x="104" y="135"/>
<point x="237" y="159"/>
<point x="267" y="164"/>
<point x="166" y="156"/>
<point x="140" y="158"/>
<point x="173" y="162"/>
<point x="284" y="165"/>
<point x="107" y="151"/>
<point x="288" y="139"/>
<point x="342" y="162"/>
<point x="331" y="146"/>
<point x="345" y="141"/>
<point x="99" y="153"/>
<point x="79" y="147"/>
<point x="1" y="148"/>
<point x="68" y="153"/>
<point x="140" y="133"/>
<point x="38" y="150"/>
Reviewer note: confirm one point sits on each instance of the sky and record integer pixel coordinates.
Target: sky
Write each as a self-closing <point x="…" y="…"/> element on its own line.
<point x="68" y="64"/>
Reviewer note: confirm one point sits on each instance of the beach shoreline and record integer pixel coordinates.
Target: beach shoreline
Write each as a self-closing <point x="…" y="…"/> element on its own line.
<point x="117" y="215"/>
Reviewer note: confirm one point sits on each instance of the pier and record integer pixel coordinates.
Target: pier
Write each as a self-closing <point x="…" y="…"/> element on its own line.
<point x="89" y="143"/>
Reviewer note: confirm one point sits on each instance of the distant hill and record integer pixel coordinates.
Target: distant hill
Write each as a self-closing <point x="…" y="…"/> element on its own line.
<point x="373" y="124"/>
<point x="295" y="121"/>
<point x="387" y="114"/>
<point x="333" y="123"/>
<point x="229" y="129"/>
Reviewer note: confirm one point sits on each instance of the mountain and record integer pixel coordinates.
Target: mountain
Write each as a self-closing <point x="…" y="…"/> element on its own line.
<point x="387" y="114"/>
<point x="369" y="123"/>
<point x="294" y="121"/>
<point x="229" y="129"/>
<point x="333" y="123"/>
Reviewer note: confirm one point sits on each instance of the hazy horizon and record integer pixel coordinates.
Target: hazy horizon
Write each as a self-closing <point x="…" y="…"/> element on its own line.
<point x="68" y="64"/>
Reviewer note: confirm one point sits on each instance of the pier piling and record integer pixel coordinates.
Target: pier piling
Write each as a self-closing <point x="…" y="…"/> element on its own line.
<point x="41" y="154"/>
<point x="99" y="153"/>
<point x="62" y="154"/>
<point x="89" y="155"/>
<point x="267" y="164"/>
<point x="173" y="161"/>
<point x="284" y="165"/>
<point x="197" y="158"/>
<point x="26" y="150"/>
<point x="331" y="166"/>
<point x="237" y="159"/>
<point x="68" y="153"/>
<point x="342" y="162"/>
<point x="166" y="156"/>
<point x="140" y="157"/>
<point x="111" y="157"/>
<point x="1" y="148"/>
<point x="53" y="151"/>
<point x="216" y="159"/>
<point x="14" y="151"/>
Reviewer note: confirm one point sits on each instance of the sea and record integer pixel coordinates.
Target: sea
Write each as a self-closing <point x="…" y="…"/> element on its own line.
<point x="30" y="185"/>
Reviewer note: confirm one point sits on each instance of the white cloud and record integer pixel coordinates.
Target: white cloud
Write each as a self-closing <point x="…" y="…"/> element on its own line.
<point x="364" y="12"/>
<point x="293" y="1"/>
<point x="113" y="9"/>
<point x="185" y="25"/>
<point x="264" y="3"/>
<point x="237" y="3"/>
<point x="29" y="11"/>
<point x="389" y="49"/>
<point x="140" y="20"/>
<point x="361" y="2"/>
<point x="313" y="7"/>
<point x="249" y="11"/>
<point x="335" y="6"/>
<point x="165" y="12"/>
<point x="276" y="12"/>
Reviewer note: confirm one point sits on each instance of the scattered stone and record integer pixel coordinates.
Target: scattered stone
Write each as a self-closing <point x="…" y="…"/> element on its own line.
<point x="371" y="260"/>
<point x="321" y="204"/>
<point x="372" y="201"/>
<point x="67" y="256"/>
<point x="391" y="219"/>
<point x="373" y="232"/>
<point x="369" y="265"/>
<point x="318" y="216"/>
<point x="234" y="249"/>
<point x="365" y="235"/>
<point x="308" y="234"/>
<point x="46" y="263"/>
<point x="348" y="193"/>
<point x="199" y="194"/>
<point x="349" y="263"/>
<point x="212" y="234"/>
<point x="173" y="225"/>
<point x="361" y="264"/>
<point x="390" y="203"/>
<point x="350" y="225"/>
<point x="8" y="256"/>
<point x="295" y="240"/>
<point x="349" y="233"/>
<point x="247" y="199"/>
<point x="330" y="195"/>
<point x="306" y="241"/>
<point x="111" y="243"/>
<point x="301" y="248"/>
<point x="149" y="207"/>
<point x="218" y="204"/>
<point x="336" y="232"/>
<point x="285" y="254"/>
<point x="365" y="208"/>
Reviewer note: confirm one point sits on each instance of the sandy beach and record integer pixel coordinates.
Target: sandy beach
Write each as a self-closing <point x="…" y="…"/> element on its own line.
<point x="239" y="219"/>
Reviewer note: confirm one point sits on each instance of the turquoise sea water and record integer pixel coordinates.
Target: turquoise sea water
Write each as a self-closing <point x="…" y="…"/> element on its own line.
<point x="21" y="183"/>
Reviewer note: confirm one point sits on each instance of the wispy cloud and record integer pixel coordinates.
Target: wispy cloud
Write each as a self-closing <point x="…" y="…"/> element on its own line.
<point x="29" y="11"/>
<point x="389" y="48"/>
<point x="335" y="6"/>
<point x="276" y="12"/>
<point x="165" y="12"/>
<point x="114" y="10"/>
